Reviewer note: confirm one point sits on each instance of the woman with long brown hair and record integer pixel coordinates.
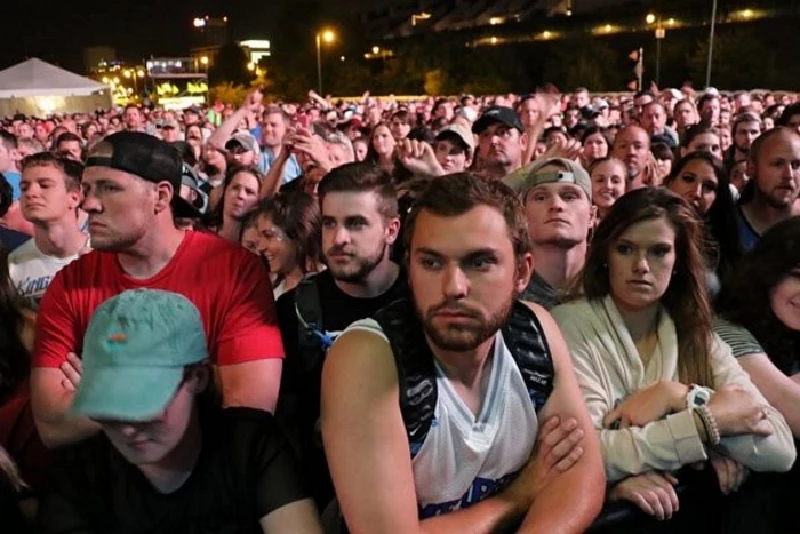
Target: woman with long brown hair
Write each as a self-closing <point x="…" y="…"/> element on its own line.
<point x="239" y="195"/>
<point x="662" y="389"/>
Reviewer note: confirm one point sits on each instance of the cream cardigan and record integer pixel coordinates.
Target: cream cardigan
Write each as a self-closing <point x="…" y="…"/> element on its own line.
<point x="609" y="369"/>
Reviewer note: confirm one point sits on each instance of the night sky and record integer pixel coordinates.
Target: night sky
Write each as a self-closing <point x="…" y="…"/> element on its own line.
<point x="58" y="31"/>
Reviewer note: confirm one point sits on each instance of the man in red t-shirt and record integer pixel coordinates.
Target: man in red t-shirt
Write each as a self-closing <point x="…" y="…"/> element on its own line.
<point x="131" y="185"/>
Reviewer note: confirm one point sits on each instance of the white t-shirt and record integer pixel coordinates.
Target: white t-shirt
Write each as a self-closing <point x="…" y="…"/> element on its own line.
<point x="31" y="270"/>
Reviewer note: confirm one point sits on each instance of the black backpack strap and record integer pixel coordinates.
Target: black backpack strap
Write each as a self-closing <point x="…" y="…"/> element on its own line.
<point x="416" y="372"/>
<point x="308" y="308"/>
<point x="525" y="339"/>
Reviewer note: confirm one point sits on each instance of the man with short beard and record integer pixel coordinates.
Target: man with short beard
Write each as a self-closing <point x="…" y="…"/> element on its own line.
<point x="746" y="128"/>
<point x="632" y="147"/>
<point x="458" y="410"/>
<point x="360" y="223"/>
<point x="774" y="187"/>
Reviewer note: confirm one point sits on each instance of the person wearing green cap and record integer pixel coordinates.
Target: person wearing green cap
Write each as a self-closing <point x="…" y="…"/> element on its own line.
<point x="167" y="460"/>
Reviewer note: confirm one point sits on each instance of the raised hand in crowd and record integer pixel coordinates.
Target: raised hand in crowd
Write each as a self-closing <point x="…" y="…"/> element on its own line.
<point x="418" y="157"/>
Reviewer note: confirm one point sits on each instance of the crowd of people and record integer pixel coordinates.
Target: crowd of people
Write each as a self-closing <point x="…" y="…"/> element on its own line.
<point x="535" y="313"/>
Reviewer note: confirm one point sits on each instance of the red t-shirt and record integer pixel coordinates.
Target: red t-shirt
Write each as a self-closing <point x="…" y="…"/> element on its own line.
<point x="228" y="284"/>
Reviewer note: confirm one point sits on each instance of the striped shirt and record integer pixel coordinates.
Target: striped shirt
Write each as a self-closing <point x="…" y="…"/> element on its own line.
<point x="738" y="338"/>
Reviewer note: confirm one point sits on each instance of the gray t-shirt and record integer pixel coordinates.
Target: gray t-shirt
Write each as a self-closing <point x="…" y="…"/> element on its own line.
<point x="541" y="293"/>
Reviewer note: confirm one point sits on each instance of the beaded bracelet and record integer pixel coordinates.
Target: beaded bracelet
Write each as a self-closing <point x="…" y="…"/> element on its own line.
<point x="710" y="424"/>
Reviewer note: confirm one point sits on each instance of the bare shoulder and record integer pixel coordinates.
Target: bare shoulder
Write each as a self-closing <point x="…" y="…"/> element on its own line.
<point x="545" y="318"/>
<point x="358" y="357"/>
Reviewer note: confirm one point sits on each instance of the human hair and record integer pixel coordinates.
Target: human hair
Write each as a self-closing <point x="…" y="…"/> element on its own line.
<point x="595" y="130"/>
<point x="706" y="98"/>
<point x="685" y="299"/>
<point x="214" y="219"/>
<point x="747" y="116"/>
<point x="31" y="142"/>
<point x="8" y="140"/>
<point x="6" y="195"/>
<point x="67" y="137"/>
<point x="339" y="138"/>
<point x="362" y="177"/>
<point x="403" y="116"/>
<point x="662" y="151"/>
<point x="14" y="358"/>
<point x="721" y="223"/>
<point x="372" y="154"/>
<point x="695" y="130"/>
<point x="596" y="163"/>
<point x="274" y="109"/>
<point x="746" y="295"/>
<point x="71" y="170"/>
<point x="297" y="214"/>
<point x="456" y="194"/>
<point x="788" y="112"/>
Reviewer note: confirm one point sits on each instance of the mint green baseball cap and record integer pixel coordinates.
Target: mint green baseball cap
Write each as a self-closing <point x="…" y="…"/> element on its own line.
<point x="134" y="354"/>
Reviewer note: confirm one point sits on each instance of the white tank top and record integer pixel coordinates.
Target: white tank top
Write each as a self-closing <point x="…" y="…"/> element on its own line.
<point x="465" y="459"/>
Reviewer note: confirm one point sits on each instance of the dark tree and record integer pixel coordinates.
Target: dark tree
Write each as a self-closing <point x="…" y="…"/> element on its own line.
<point x="230" y="66"/>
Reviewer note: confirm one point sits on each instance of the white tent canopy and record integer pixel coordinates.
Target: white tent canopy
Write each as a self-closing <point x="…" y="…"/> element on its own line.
<point x="34" y="77"/>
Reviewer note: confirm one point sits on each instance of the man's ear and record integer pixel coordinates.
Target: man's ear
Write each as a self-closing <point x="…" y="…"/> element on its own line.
<point x="198" y="378"/>
<point x="392" y="230"/>
<point x="524" y="272"/>
<point x="163" y="196"/>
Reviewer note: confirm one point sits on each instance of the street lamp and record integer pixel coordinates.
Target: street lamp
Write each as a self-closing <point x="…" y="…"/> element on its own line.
<point x="328" y="37"/>
<point x="650" y="18"/>
<point x="204" y="61"/>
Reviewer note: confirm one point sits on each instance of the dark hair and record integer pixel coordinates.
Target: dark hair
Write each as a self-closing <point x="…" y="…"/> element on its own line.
<point x="71" y="170"/>
<point x="685" y="299"/>
<point x="456" y="194"/>
<point x="706" y="98"/>
<point x="372" y="154"/>
<point x="214" y="219"/>
<point x="402" y="116"/>
<point x="297" y="214"/>
<point x="68" y="137"/>
<point x="746" y="116"/>
<point x="745" y="298"/>
<point x="721" y="224"/>
<point x="595" y="130"/>
<point x="8" y="140"/>
<point x="788" y="112"/>
<point x="6" y="195"/>
<point x="362" y="177"/>
<point x="14" y="358"/>
<point x="662" y="151"/>
<point x="695" y="130"/>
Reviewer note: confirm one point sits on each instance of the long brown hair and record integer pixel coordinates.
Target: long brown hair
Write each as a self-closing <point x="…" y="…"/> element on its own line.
<point x="685" y="299"/>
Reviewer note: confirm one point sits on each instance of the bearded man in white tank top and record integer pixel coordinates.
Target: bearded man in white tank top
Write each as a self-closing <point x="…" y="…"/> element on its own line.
<point x="494" y="448"/>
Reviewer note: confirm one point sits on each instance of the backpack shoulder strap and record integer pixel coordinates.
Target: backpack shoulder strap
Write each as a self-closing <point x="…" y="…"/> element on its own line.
<point x="308" y="308"/>
<point x="525" y="339"/>
<point x="416" y="372"/>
